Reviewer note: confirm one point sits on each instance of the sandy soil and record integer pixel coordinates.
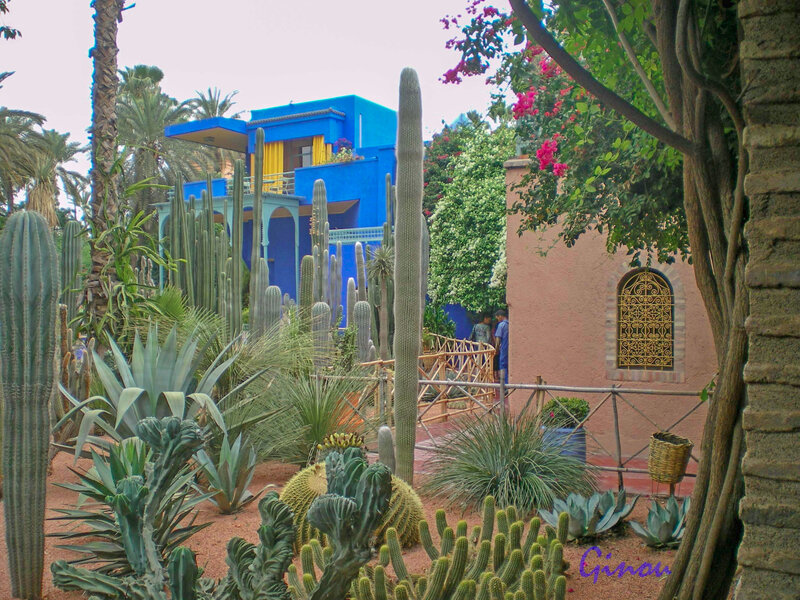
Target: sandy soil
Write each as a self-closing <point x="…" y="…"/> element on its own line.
<point x="209" y="544"/>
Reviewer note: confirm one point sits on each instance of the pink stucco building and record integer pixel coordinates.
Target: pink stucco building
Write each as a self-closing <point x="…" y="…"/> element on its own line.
<point x="582" y="317"/>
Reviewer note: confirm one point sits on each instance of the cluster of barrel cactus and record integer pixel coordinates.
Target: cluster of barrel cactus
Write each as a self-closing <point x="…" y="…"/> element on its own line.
<point x="357" y="498"/>
<point x="404" y="513"/>
<point x="497" y="560"/>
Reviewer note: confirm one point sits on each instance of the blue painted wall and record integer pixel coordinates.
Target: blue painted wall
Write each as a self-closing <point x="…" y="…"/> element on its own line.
<point x="459" y="315"/>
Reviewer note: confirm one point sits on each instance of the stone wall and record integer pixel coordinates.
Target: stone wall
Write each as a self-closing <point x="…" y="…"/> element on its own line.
<point x="770" y="510"/>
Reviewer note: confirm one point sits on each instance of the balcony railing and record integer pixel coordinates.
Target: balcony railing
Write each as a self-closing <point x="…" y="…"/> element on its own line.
<point x="275" y="183"/>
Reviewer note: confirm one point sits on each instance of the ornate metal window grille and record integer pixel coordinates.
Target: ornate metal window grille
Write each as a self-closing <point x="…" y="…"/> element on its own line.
<point x="645" y="322"/>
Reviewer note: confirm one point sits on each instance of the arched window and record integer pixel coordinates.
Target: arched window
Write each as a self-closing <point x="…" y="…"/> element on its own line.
<point x="645" y="322"/>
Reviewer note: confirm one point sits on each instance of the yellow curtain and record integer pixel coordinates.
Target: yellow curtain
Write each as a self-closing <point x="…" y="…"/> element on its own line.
<point x="273" y="166"/>
<point x="320" y="151"/>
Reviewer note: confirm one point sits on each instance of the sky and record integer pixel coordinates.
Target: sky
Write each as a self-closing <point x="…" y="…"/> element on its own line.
<point x="272" y="52"/>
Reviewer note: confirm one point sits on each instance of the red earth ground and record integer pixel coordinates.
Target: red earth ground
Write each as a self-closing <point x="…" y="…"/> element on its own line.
<point x="209" y="544"/>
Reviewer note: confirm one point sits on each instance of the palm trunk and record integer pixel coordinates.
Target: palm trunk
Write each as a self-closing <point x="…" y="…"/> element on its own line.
<point x="108" y="13"/>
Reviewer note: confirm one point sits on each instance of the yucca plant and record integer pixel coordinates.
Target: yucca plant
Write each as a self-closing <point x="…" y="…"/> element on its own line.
<point x="589" y="517"/>
<point x="665" y="524"/>
<point x="506" y="459"/>
<point x="228" y="476"/>
<point x="94" y="532"/>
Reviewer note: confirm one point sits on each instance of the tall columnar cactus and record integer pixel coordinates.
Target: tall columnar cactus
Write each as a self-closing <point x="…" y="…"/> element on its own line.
<point x="425" y="259"/>
<point x="316" y="255"/>
<point x="361" y="272"/>
<point x="29" y="289"/>
<point x="71" y="250"/>
<point x="306" y="291"/>
<point x="407" y="271"/>
<point x="319" y="216"/>
<point x="352" y="298"/>
<point x="362" y="317"/>
<point x="237" y="231"/>
<point x="321" y="333"/>
<point x="259" y="282"/>
<point x="255" y="252"/>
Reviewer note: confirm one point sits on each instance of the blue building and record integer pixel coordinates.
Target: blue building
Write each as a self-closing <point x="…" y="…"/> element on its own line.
<point x="300" y="141"/>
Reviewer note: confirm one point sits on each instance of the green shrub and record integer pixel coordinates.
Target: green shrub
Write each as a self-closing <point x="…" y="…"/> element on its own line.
<point x="506" y="459"/>
<point x="436" y="320"/>
<point x="564" y="412"/>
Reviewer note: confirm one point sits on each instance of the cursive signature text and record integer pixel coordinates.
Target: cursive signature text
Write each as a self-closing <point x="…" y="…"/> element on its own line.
<point x="621" y="569"/>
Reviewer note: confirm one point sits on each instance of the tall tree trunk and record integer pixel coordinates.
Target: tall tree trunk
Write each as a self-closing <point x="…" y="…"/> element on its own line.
<point x="108" y="13"/>
<point x="770" y="67"/>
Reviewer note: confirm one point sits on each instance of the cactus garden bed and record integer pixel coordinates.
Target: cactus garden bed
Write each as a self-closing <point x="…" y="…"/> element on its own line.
<point x="209" y="543"/>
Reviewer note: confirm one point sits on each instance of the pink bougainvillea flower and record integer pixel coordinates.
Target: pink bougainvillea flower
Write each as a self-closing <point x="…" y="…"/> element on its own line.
<point x="560" y="169"/>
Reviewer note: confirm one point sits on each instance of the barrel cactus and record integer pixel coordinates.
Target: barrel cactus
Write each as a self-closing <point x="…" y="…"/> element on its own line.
<point x="29" y="290"/>
<point x="404" y="514"/>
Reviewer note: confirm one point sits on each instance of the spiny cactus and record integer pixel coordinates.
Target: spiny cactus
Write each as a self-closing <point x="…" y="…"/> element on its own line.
<point x="386" y="447"/>
<point x="306" y="291"/>
<point x="361" y="272"/>
<point x="404" y="512"/>
<point x="499" y="559"/>
<point x="29" y="290"/>
<point x="71" y="258"/>
<point x="352" y="298"/>
<point x="321" y="333"/>
<point x="341" y="441"/>
<point x="407" y="310"/>
<point x="256" y="252"/>
<point x="362" y="317"/>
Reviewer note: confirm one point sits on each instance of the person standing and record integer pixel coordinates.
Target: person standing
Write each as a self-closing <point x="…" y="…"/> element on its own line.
<point x="501" y="345"/>
<point x="482" y="331"/>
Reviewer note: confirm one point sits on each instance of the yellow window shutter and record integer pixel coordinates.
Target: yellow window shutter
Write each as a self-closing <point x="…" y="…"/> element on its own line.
<point x="320" y="151"/>
<point x="273" y="166"/>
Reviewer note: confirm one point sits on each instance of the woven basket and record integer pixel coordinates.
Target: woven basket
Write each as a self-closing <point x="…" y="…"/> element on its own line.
<point x="669" y="455"/>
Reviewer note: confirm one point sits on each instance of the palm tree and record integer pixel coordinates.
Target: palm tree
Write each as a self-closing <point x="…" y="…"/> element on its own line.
<point x="55" y="150"/>
<point x="107" y="15"/>
<point x="210" y="104"/>
<point x="135" y="80"/>
<point x="152" y="156"/>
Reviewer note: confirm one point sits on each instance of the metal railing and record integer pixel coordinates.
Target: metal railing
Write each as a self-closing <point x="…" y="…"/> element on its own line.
<point x="275" y="183"/>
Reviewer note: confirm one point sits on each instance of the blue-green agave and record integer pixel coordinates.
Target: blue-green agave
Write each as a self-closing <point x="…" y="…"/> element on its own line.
<point x="589" y="517"/>
<point x="665" y="524"/>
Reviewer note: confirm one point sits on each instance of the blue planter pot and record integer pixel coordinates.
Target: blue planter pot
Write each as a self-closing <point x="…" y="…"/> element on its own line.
<point x="575" y="446"/>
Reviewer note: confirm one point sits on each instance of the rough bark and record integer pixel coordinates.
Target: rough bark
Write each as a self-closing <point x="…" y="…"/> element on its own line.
<point x="770" y="68"/>
<point x="108" y="13"/>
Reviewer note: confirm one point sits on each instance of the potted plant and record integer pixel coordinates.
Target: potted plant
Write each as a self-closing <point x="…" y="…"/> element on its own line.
<point x="561" y="420"/>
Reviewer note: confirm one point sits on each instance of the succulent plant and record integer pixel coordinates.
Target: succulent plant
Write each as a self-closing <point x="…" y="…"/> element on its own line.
<point x="665" y="524"/>
<point x="98" y="539"/>
<point x="589" y="517"/>
<point x="404" y="512"/>
<point x="228" y="476"/>
<point x="341" y="441"/>
<point x="29" y="289"/>
<point x="498" y="559"/>
<point x="386" y="447"/>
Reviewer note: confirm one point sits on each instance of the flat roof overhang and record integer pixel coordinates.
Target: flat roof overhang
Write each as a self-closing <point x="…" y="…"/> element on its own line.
<point x="219" y="132"/>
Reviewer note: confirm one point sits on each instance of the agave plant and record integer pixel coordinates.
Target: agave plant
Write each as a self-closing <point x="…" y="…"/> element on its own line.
<point x="665" y="525"/>
<point x="228" y="477"/>
<point x="96" y="534"/>
<point x="589" y="517"/>
<point x="159" y="381"/>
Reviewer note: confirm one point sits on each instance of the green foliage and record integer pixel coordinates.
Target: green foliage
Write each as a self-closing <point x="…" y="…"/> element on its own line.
<point x="468" y="226"/>
<point x="227" y="475"/>
<point x="508" y="460"/>
<point x="589" y="517"/>
<point x="436" y="320"/>
<point x="502" y="556"/>
<point x="665" y="524"/>
<point x="124" y="240"/>
<point x="94" y="531"/>
<point x="305" y="409"/>
<point x="564" y="412"/>
<point x="404" y="513"/>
